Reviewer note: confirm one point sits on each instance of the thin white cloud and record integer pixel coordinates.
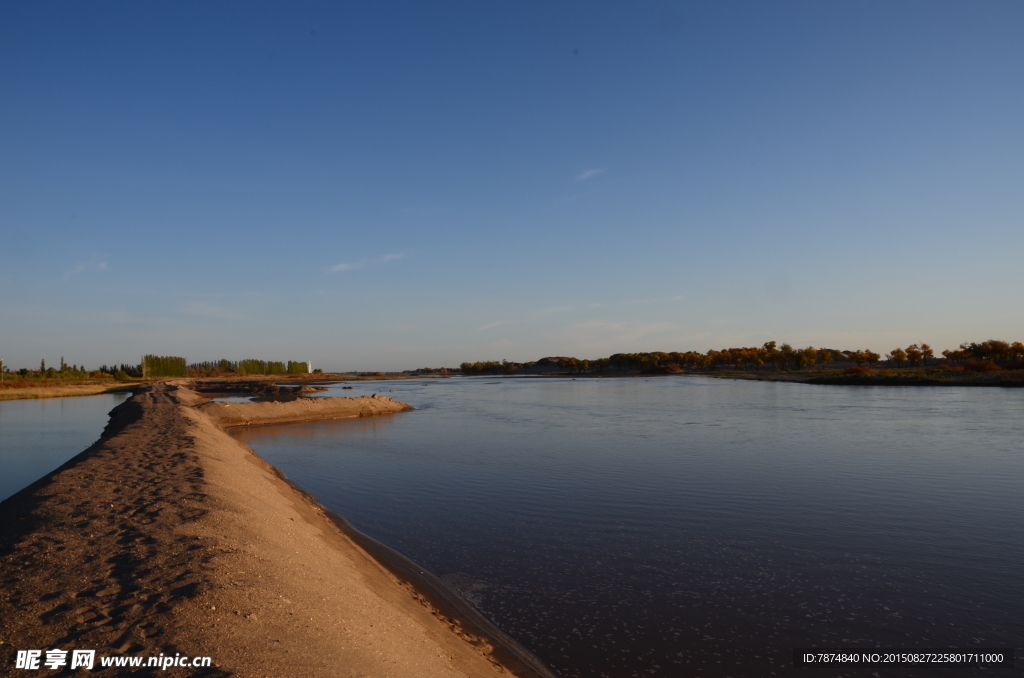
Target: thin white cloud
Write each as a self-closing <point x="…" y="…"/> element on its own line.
<point x="562" y="309"/>
<point x="356" y="265"/>
<point x="588" y="174"/>
<point x="340" y="268"/>
<point x="209" y="311"/>
<point x="491" y="326"/>
<point x="84" y="267"/>
<point x="614" y="336"/>
<point x="664" y="300"/>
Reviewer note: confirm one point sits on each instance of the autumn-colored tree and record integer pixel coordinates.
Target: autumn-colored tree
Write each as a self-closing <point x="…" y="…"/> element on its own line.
<point x="1017" y="351"/>
<point x="786" y="355"/>
<point x="758" y="358"/>
<point x="994" y="350"/>
<point x="897" y="355"/>
<point x="712" y="359"/>
<point x="743" y="357"/>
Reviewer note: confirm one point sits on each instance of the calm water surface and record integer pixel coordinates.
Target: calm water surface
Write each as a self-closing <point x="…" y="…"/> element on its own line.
<point x="37" y="436"/>
<point x="692" y="526"/>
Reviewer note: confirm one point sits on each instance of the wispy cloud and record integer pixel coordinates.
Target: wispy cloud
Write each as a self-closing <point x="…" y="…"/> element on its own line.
<point x="340" y="268"/>
<point x="588" y="174"/>
<point x="611" y="335"/>
<point x="209" y="311"/>
<point x="356" y="265"/>
<point x="563" y="309"/>
<point x="85" y="266"/>
<point x="491" y="326"/>
<point x="663" y="300"/>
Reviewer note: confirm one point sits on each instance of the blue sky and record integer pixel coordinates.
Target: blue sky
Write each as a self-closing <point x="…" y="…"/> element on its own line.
<point x="395" y="185"/>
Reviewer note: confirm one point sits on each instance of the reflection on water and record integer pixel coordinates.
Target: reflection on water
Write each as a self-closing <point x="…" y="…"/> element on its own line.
<point x="37" y="436"/>
<point x="691" y="526"/>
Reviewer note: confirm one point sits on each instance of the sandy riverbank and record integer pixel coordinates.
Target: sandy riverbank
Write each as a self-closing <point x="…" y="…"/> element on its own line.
<point x="61" y="391"/>
<point x="169" y="536"/>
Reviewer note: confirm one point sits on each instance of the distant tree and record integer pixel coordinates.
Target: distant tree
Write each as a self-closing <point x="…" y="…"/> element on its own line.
<point x="926" y="353"/>
<point x="786" y="355"/>
<point x="897" y="355"/>
<point x="42" y="365"/>
<point x="1017" y="351"/>
<point x="913" y="354"/>
<point x="993" y="350"/>
<point x="871" y="357"/>
<point x="758" y="358"/>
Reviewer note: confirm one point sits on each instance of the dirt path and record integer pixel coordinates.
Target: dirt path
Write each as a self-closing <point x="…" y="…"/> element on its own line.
<point x="168" y="536"/>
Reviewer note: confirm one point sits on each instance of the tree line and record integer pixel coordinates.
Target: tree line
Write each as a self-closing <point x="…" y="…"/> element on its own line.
<point x="249" y="366"/>
<point x="770" y="355"/>
<point x="160" y="366"/>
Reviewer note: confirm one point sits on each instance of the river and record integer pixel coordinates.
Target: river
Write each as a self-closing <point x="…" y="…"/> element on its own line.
<point x="691" y="526"/>
<point x="672" y="526"/>
<point x="37" y="436"/>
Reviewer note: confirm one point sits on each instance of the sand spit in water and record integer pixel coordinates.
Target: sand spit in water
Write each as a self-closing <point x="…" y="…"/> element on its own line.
<point x="169" y="536"/>
<point x="301" y="409"/>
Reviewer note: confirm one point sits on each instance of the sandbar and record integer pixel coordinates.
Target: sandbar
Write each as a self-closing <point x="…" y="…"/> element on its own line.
<point x="170" y="536"/>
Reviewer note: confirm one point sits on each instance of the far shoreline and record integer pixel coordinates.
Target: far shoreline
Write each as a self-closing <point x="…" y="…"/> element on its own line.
<point x="820" y="377"/>
<point x="90" y="387"/>
<point x="812" y="377"/>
